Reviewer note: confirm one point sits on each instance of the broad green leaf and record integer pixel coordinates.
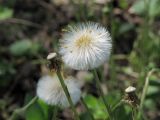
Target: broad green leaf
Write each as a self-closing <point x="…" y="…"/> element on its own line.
<point x="24" y="47"/>
<point x="20" y="47"/>
<point x="96" y="107"/>
<point x="35" y="112"/>
<point x="92" y="102"/>
<point x="45" y="108"/>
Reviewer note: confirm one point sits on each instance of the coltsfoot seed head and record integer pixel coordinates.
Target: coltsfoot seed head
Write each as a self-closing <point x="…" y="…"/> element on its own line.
<point x="50" y="91"/>
<point x="85" y="46"/>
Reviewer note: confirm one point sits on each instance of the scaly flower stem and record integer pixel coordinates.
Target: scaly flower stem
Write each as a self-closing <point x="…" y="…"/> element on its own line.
<point x="20" y="111"/>
<point x="97" y="80"/>
<point x="65" y="89"/>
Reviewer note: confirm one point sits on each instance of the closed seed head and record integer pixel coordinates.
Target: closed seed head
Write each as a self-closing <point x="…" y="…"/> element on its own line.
<point x="130" y="89"/>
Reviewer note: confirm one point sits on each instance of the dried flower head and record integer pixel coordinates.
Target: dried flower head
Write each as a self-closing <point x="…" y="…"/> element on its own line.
<point x="49" y="90"/>
<point x="85" y="46"/>
<point x="130" y="89"/>
<point x="51" y="56"/>
<point x="54" y="63"/>
<point x="131" y="97"/>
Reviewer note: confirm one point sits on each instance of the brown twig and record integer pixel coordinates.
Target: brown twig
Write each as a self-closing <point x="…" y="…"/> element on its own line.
<point x="20" y="21"/>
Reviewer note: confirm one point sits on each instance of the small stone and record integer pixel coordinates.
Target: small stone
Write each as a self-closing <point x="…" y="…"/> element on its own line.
<point x="130" y="89"/>
<point x="51" y="56"/>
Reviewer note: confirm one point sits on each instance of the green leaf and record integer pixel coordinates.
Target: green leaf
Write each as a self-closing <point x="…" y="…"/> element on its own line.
<point x="92" y="102"/>
<point x="96" y="106"/>
<point x="5" y="13"/>
<point x="20" y="47"/>
<point x="24" y="47"/>
<point x="45" y="108"/>
<point x="138" y="7"/>
<point x="35" y="113"/>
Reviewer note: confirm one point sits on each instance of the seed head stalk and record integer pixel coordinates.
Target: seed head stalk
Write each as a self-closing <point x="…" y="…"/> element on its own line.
<point x="65" y="89"/>
<point x="55" y="64"/>
<point x="97" y="80"/>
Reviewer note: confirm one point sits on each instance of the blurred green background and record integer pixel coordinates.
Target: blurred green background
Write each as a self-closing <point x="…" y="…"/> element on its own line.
<point x="30" y="29"/>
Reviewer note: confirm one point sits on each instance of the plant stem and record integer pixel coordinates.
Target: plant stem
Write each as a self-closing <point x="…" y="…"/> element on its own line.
<point x="145" y="91"/>
<point x="133" y="114"/>
<point x="145" y="88"/>
<point x="55" y="110"/>
<point x="67" y="94"/>
<point x="86" y="107"/>
<point x="20" y="111"/>
<point x="97" y="80"/>
<point x="117" y="105"/>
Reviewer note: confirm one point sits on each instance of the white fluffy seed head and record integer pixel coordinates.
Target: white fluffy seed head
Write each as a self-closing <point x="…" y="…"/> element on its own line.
<point x="85" y="46"/>
<point x="49" y="90"/>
